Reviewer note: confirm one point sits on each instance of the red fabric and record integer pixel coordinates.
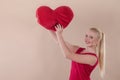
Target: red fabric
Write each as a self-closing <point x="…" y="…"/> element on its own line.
<point x="48" y="18"/>
<point x="81" y="71"/>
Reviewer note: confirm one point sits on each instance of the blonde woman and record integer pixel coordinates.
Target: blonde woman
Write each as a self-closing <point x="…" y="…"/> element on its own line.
<point x="84" y="60"/>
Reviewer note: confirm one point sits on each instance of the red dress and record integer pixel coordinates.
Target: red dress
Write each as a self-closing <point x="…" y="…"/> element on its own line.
<point x="81" y="71"/>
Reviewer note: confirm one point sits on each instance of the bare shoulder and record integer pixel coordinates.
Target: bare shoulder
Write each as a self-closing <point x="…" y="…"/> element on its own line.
<point x="72" y="47"/>
<point x="75" y="48"/>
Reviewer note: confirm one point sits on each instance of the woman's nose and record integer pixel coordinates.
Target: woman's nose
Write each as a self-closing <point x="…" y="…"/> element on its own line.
<point x="87" y="38"/>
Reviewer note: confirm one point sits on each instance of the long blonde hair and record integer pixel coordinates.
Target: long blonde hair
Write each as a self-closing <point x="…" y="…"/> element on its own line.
<point x="100" y="50"/>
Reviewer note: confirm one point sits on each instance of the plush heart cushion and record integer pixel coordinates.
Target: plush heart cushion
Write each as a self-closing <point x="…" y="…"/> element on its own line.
<point x="48" y="18"/>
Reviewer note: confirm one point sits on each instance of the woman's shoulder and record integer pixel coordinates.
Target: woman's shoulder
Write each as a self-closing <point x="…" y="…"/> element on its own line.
<point x="79" y="49"/>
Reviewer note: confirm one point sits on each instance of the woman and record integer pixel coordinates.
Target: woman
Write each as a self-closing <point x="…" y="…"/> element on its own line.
<point x="84" y="60"/>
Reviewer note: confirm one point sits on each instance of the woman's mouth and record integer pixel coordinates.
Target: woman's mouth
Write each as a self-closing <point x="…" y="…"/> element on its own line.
<point x="87" y="42"/>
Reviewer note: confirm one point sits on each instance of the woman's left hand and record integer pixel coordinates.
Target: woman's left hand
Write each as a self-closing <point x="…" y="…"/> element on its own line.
<point x="59" y="29"/>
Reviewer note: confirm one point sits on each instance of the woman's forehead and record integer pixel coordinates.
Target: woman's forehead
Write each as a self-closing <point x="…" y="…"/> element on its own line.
<point x="92" y="33"/>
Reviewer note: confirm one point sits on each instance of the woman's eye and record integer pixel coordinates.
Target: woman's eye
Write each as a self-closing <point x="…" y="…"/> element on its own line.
<point x="91" y="37"/>
<point x="86" y="35"/>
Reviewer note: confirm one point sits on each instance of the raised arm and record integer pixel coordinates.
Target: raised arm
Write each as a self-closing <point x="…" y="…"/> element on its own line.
<point x="86" y="59"/>
<point x="71" y="47"/>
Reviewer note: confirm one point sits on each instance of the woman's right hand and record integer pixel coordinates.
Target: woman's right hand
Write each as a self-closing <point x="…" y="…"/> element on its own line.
<point x="59" y="29"/>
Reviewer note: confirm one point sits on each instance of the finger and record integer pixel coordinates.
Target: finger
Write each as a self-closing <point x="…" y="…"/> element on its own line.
<point x="55" y="27"/>
<point x="62" y="26"/>
<point x="59" y="26"/>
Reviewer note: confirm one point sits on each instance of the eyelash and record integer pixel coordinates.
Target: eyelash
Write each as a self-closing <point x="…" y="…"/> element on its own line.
<point x="90" y="36"/>
<point x="86" y="35"/>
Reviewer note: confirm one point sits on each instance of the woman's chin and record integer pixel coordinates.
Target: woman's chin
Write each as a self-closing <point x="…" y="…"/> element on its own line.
<point x="88" y="45"/>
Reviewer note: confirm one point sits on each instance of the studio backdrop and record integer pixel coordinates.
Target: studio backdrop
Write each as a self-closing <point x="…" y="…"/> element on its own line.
<point x="28" y="52"/>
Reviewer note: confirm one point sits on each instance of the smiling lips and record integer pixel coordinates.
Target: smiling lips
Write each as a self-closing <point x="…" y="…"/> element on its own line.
<point x="87" y="42"/>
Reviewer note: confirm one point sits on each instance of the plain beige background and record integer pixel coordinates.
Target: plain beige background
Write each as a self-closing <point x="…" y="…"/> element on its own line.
<point x="27" y="52"/>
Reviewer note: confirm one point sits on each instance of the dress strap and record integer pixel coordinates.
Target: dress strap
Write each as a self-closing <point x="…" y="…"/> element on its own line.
<point x="90" y="54"/>
<point x="80" y="49"/>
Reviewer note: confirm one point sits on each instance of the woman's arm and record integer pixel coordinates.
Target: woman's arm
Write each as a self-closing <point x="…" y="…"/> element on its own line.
<point x="52" y="33"/>
<point x="86" y="59"/>
<point x="73" y="48"/>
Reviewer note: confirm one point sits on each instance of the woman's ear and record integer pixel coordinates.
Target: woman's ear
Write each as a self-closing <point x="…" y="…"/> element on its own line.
<point x="98" y="41"/>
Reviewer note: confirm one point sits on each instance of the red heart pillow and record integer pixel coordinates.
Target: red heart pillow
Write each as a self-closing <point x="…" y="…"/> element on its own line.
<point x="48" y="18"/>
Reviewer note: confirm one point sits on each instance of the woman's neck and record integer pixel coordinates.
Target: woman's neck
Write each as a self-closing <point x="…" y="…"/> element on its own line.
<point x="91" y="49"/>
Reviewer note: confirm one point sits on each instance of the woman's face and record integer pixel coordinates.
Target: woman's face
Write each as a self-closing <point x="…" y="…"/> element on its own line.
<point x="91" y="39"/>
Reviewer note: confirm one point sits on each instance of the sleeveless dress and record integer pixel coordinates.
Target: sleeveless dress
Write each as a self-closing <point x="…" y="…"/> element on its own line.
<point x="81" y="71"/>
